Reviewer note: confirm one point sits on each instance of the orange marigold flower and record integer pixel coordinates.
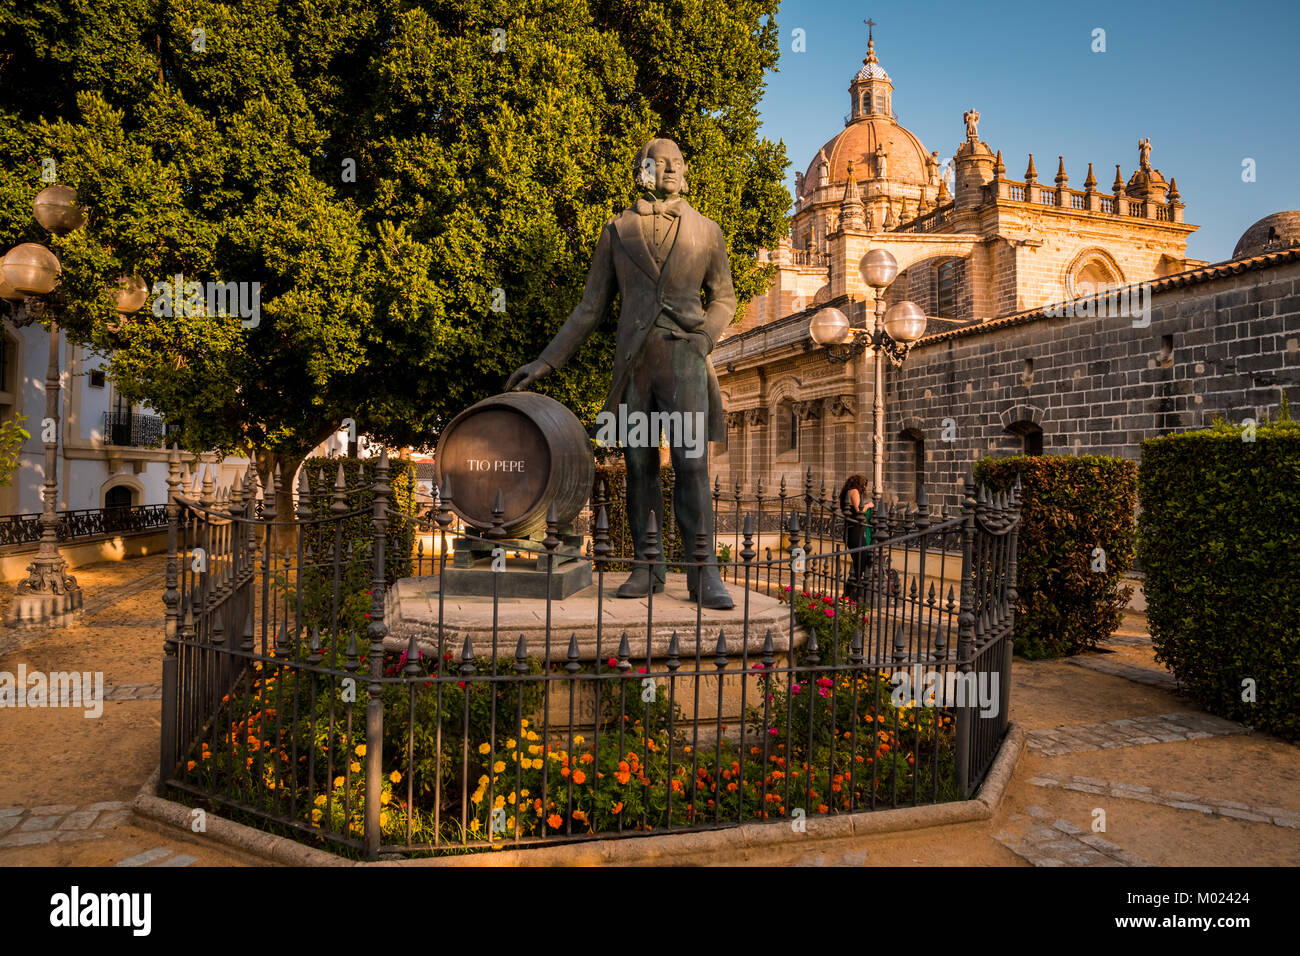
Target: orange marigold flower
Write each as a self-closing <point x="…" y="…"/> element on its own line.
<point x="617" y="808"/>
<point x="822" y="808"/>
<point x="579" y="777"/>
<point x="565" y="771"/>
<point x="587" y="758"/>
<point x="555" y="821"/>
<point x="580" y="816"/>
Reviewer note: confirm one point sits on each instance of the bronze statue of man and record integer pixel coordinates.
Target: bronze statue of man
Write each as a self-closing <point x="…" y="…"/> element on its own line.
<point x="659" y="255"/>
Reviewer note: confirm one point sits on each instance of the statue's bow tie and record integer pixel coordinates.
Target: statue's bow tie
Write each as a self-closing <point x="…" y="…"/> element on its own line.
<point x="657" y="208"/>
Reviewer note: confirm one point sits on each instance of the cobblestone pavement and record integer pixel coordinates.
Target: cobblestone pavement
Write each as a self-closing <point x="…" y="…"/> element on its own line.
<point x="158" y="856"/>
<point x="1176" y="799"/>
<point x="27" y="826"/>
<point x="1061" y="843"/>
<point x="1129" y="732"/>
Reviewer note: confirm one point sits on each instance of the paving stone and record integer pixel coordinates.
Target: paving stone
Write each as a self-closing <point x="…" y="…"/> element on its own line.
<point x="1216" y="802"/>
<point x="1090" y="780"/>
<point x="112" y="819"/>
<point x="1039" y="813"/>
<point x="1097" y="842"/>
<point x="1085" y="858"/>
<point x="1044" y="781"/>
<point x="182" y="860"/>
<point x="1082" y="788"/>
<point x="148" y="856"/>
<point x="79" y="820"/>
<point x="1136" y="795"/>
<point x="1133" y="787"/>
<point x="76" y="836"/>
<point x="27" y="838"/>
<point x="1292" y="822"/>
<point x="1178" y="795"/>
<point x="39" y="823"/>
<point x="1244" y="815"/>
<point x="8" y="823"/>
<point x="13" y="812"/>
<point x="109" y="805"/>
<point x="1065" y="826"/>
<point x="53" y="810"/>
<point x="1187" y="805"/>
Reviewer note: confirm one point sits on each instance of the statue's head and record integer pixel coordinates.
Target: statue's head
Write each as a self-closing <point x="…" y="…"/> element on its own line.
<point x="661" y="169"/>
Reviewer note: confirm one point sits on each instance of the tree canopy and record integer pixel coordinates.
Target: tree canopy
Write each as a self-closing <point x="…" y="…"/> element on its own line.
<point x="416" y="186"/>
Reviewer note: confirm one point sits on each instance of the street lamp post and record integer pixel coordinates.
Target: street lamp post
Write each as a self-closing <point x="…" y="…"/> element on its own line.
<point x="29" y="274"/>
<point x="895" y="331"/>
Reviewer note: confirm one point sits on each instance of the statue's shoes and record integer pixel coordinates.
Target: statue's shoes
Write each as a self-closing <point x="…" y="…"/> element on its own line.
<point x="716" y="597"/>
<point x="638" y="584"/>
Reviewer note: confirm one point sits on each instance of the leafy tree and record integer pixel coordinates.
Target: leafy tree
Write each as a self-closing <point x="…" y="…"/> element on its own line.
<point x="417" y="195"/>
<point x="12" y="436"/>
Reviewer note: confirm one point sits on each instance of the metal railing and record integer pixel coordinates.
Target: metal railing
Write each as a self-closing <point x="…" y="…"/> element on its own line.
<point x="283" y="705"/>
<point x="84" y="523"/>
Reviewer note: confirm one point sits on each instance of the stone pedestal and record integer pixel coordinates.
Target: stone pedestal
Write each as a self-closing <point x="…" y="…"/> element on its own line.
<point x="412" y="609"/>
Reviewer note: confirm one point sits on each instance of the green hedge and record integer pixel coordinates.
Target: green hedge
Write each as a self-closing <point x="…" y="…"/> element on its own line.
<point x="1220" y="543"/>
<point x="1070" y="506"/>
<point x="359" y="477"/>
<point x="614" y="475"/>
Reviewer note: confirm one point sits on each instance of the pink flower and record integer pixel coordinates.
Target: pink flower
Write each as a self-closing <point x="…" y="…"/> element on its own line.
<point x="824" y="691"/>
<point x="612" y="662"/>
<point x="772" y="732"/>
<point x="758" y="667"/>
<point x="795" y="688"/>
<point x="786" y="588"/>
<point x="830" y="612"/>
<point x="640" y="670"/>
<point x="824" y="682"/>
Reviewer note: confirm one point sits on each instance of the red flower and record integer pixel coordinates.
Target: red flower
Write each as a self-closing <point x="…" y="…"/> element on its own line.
<point x="460" y="684"/>
<point x="612" y="662"/>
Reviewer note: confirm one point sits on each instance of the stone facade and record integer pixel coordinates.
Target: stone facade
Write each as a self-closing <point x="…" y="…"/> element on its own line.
<point x="990" y="263"/>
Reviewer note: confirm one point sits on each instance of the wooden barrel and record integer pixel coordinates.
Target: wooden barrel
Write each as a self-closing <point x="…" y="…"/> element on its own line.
<point x="527" y="446"/>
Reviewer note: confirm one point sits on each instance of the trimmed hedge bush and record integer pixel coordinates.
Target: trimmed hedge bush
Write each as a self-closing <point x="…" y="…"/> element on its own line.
<point x="1220" y="543"/>
<point x="1070" y="507"/>
<point x="359" y="477"/>
<point x="614" y="474"/>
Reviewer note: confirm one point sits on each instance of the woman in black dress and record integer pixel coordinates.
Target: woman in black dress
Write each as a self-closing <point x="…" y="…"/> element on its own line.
<point x="855" y="505"/>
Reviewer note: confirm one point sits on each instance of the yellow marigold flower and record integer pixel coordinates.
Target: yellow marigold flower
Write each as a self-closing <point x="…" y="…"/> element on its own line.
<point x="484" y="748"/>
<point x="476" y="796"/>
<point x="499" y="766"/>
<point x="499" y="802"/>
<point x="579" y="741"/>
<point x="510" y="744"/>
<point x="385" y="797"/>
<point x="511" y="798"/>
<point x="355" y="767"/>
<point x="523" y="724"/>
<point x="483" y="780"/>
<point x="395" y="777"/>
<point x="338" y="781"/>
<point x="532" y="735"/>
<point x="315" y="816"/>
<point x="524" y="792"/>
<point x="361" y="750"/>
<point x="474" y="825"/>
<point x="320" y="800"/>
<point x="534" y="749"/>
<point x="383" y="819"/>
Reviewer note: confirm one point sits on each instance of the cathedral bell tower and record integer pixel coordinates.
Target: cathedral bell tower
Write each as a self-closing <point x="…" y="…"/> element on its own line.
<point x="871" y="92"/>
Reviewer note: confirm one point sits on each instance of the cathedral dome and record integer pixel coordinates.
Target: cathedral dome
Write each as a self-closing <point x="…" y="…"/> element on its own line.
<point x="906" y="160"/>
<point x="1281" y="230"/>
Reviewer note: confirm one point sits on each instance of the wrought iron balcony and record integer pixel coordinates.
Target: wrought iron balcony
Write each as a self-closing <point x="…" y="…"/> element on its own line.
<point x="84" y="523"/>
<point x="141" y="431"/>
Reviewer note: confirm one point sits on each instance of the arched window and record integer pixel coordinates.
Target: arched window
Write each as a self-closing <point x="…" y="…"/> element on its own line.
<point x="119" y="496"/>
<point x="787" y="428"/>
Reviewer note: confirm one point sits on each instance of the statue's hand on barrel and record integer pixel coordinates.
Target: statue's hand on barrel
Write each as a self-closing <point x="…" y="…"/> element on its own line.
<point x="526" y="375"/>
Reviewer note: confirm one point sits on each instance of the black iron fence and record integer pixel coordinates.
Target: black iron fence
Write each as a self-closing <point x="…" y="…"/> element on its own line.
<point x="845" y="680"/>
<point x="84" y="523"/>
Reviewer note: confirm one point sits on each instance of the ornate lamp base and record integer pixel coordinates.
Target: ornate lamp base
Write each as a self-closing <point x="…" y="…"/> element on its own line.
<point x="49" y="597"/>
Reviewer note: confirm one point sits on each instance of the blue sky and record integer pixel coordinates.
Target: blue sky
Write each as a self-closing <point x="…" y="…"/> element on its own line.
<point x="1210" y="83"/>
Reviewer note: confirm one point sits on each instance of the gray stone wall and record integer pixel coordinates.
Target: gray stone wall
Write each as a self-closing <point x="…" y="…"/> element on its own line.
<point x="1226" y="346"/>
